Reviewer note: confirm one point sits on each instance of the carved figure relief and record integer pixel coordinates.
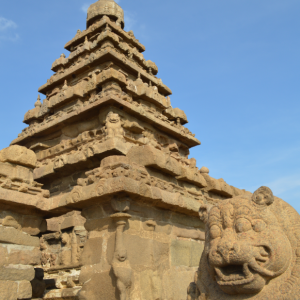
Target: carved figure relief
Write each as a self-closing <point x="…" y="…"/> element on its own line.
<point x="120" y="264"/>
<point x="113" y="125"/>
<point x="248" y="250"/>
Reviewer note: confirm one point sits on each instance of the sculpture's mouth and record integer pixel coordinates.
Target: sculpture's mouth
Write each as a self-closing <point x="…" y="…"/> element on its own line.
<point x="234" y="275"/>
<point x="114" y="120"/>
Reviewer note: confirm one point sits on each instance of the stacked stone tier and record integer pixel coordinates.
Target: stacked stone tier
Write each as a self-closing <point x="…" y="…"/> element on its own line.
<point x="96" y="58"/>
<point x="80" y="36"/>
<point x="123" y="52"/>
<point x="81" y="110"/>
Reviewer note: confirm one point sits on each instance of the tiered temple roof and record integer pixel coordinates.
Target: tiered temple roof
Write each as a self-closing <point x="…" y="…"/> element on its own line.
<point x="106" y="144"/>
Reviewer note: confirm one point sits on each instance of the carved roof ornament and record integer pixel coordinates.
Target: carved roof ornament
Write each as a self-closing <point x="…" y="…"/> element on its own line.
<point x="105" y="8"/>
<point x="38" y="102"/>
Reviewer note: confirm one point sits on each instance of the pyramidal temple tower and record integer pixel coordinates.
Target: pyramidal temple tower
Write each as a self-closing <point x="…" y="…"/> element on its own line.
<point x="98" y="193"/>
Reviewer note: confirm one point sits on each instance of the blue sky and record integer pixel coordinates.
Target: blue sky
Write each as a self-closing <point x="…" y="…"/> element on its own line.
<point x="233" y="67"/>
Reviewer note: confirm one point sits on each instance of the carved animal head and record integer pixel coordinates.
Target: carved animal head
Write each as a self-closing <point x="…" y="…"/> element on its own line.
<point x="113" y="118"/>
<point x="121" y="254"/>
<point x="247" y="245"/>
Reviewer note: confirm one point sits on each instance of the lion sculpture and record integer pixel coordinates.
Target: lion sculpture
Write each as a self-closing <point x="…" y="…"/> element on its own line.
<point x="252" y="249"/>
<point x="113" y="125"/>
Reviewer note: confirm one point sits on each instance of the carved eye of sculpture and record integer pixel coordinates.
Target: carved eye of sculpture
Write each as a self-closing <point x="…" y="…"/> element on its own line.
<point x="243" y="225"/>
<point x="258" y="225"/>
<point x="215" y="231"/>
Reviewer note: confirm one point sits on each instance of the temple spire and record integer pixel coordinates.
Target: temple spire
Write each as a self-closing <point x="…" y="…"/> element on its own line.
<point x="105" y="8"/>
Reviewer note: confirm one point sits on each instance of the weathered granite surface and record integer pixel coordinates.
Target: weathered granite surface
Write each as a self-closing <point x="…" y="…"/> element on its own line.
<point x="252" y="249"/>
<point x="99" y="198"/>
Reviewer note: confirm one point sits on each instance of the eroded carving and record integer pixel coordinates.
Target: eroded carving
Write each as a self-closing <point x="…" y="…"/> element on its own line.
<point x="249" y="250"/>
<point x="120" y="264"/>
<point x="113" y="126"/>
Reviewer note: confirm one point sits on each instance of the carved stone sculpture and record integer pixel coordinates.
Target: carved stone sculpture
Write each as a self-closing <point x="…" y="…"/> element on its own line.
<point x="113" y="126"/>
<point x="252" y="249"/>
<point x="100" y="191"/>
<point x="120" y="264"/>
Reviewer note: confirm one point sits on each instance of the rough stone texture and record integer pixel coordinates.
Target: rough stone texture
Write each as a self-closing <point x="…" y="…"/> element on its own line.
<point x="186" y="253"/>
<point x="8" y="290"/>
<point x="13" y="236"/>
<point x="252" y="249"/>
<point x="101" y="286"/>
<point x="18" y="155"/>
<point x="91" y="254"/>
<point x="15" y="254"/>
<point x="16" y="272"/>
<point x="24" y="290"/>
<point x="100" y="196"/>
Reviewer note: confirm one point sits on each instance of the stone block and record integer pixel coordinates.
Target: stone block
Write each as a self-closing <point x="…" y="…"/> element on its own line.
<point x="24" y="255"/>
<point x="11" y="235"/>
<point x="33" y="225"/>
<point x="8" y="290"/>
<point x="24" y="290"/>
<point x="186" y="253"/>
<point x="73" y="219"/>
<point x="92" y="252"/>
<point x="43" y="171"/>
<point x="98" y="224"/>
<point x="101" y="286"/>
<point x="142" y="253"/>
<point x="151" y="157"/>
<point x="17" y="272"/>
<point x="161" y="255"/>
<point x="16" y="172"/>
<point x="18" y="155"/>
<point x="151" y="285"/>
<point x="3" y="256"/>
<point x="180" y="253"/>
<point x="54" y="224"/>
<point x="188" y="221"/>
<point x="195" y="234"/>
<point x="93" y="212"/>
<point x="175" y="284"/>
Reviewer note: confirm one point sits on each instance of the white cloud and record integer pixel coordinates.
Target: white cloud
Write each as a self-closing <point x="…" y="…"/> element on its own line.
<point x="85" y="7"/>
<point x="129" y="20"/>
<point x="284" y="184"/>
<point x="6" y="24"/>
<point x="12" y="38"/>
<point x="6" y="30"/>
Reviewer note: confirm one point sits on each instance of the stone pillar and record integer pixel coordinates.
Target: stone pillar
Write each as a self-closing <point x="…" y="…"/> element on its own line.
<point x="120" y="264"/>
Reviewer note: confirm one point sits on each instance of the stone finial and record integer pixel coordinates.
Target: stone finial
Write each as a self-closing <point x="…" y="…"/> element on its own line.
<point x="65" y="86"/>
<point x="105" y="8"/>
<point x="139" y="80"/>
<point x="130" y="33"/>
<point x="204" y="170"/>
<point x="38" y="102"/>
<point x="63" y="55"/>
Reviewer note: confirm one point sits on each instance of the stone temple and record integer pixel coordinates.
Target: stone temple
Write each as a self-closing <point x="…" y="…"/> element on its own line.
<point x="100" y="200"/>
